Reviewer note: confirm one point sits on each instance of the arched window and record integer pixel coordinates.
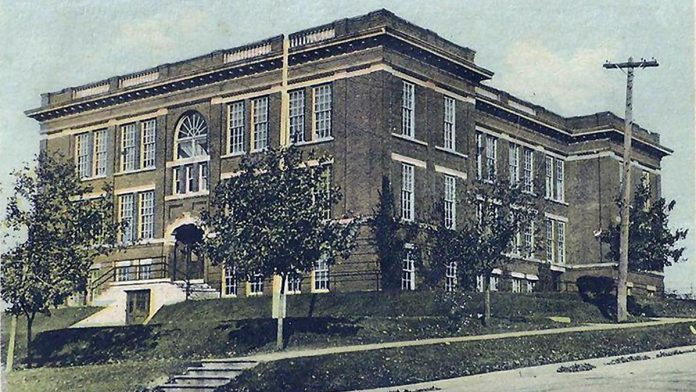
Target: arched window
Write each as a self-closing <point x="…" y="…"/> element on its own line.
<point x="191" y="136"/>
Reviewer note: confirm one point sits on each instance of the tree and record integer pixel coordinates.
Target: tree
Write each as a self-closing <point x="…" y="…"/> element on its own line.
<point x="390" y="237"/>
<point x="652" y="246"/>
<point x="498" y="213"/>
<point x="273" y="218"/>
<point x="62" y="233"/>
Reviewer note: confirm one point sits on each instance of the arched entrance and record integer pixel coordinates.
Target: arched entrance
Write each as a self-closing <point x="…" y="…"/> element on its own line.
<point x="187" y="261"/>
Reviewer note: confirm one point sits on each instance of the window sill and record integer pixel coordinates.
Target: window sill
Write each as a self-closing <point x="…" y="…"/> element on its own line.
<point x="320" y="291"/>
<point x="94" y="178"/>
<point x="233" y="155"/>
<point x="181" y="162"/>
<point x="228" y="295"/>
<point x="453" y="152"/>
<point x="409" y="139"/>
<point x="254" y="294"/>
<point x="122" y="173"/>
<point x="315" y="141"/>
<point x="255" y="150"/>
<point x="563" y="203"/>
<point x="186" y="195"/>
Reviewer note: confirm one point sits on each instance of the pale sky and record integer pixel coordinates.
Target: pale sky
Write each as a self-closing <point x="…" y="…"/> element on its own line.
<point x="548" y="52"/>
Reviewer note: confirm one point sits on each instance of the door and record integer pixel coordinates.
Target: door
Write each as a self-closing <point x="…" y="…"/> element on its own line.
<point x="137" y="306"/>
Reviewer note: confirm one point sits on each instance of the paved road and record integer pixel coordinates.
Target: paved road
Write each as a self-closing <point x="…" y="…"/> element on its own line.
<point x="674" y="373"/>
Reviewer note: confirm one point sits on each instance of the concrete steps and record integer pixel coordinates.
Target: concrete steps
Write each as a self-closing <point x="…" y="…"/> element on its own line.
<point x="211" y="374"/>
<point x="198" y="290"/>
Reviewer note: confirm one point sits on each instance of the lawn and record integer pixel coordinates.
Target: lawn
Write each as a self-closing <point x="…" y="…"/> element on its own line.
<point x="59" y="319"/>
<point x="388" y="367"/>
<point x="126" y="377"/>
<point x="228" y="327"/>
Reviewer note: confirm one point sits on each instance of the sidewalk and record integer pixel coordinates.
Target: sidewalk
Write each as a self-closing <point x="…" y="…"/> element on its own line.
<point x="424" y="342"/>
<point x="670" y="373"/>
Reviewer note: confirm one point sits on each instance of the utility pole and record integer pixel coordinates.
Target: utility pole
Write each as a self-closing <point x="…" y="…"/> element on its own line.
<point x="629" y="66"/>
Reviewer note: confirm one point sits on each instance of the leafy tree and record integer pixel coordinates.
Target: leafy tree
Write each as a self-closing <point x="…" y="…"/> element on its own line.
<point x="652" y="246"/>
<point x="391" y="235"/>
<point x="271" y="219"/>
<point x="62" y="234"/>
<point x="497" y="213"/>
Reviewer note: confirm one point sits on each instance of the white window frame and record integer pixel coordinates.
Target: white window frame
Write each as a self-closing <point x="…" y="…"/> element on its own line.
<point x="559" y="191"/>
<point x="560" y="242"/>
<point x="528" y="171"/>
<point x="321" y="276"/>
<point x="408" y="107"/>
<point x="82" y="156"/>
<point x="128" y="145"/>
<point x="203" y="176"/>
<point x="323" y="102"/>
<point x="126" y="209"/>
<point x="514" y="163"/>
<point x="407" y="192"/>
<point x="259" y="110"/>
<point x="516" y="285"/>
<point x="530" y="286"/>
<point x="408" y="270"/>
<point x="236" y="127"/>
<point x="479" y="156"/>
<point x="548" y="166"/>
<point x="528" y="239"/>
<point x="100" y="152"/>
<point x="296" y="114"/>
<point x="550" y="242"/>
<point x="449" y="126"/>
<point x="230" y="281"/>
<point x="189" y="185"/>
<point x="450" y="202"/>
<point x="451" y="276"/>
<point x="293" y="284"/>
<point x="148" y="129"/>
<point x="146" y="216"/>
<point x="491" y="158"/>
<point x="256" y="282"/>
<point x="494" y="282"/>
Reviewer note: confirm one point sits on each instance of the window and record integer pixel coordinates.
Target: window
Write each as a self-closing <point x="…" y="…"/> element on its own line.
<point x="128" y="141"/>
<point x="203" y="176"/>
<point x="407" y="195"/>
<point x="516" y="285"/>
<point x="326" y="183"/>
<point x="408" y="270"/>
<point x="560" y="242"/>
<point x="147" y="214"/>
<point x="293" y="284"/>
<point x="645" y="181"/>
<point x="493" y="283"/>
<point x="190" y="178"/>
<point x="450" y="203"/>
<point x="528" y="171"/>
<point x="297" y="116"/>
<point x="229" y="281"/>
<point x="528" y="239"/>
<point x="322" y="111"/>
<point x="138" y="219"/>
<point x="321" y="276"/>
<point x="260" y="124"/>
<point x="90" y="154"/>
<point x="555" y="178"/>
<point x="530" y="286"/>
<point x="491" y="147"/>
<point x="555" y="241"/>
<point x="407" y="110"/>
<point x="514" y="163"/>
<point x="549" y="241"/>
<point x="148" y="147"/>
<point x="191" y="136"/>
<point x="256" y="285"/>
<point x="451" y="276"/>
<point x="479" y="156"/>
<point x="449" y="125"/>
<point x="236" y="128"/>
<point x="100" y="153"/>
<point x="82" y="155"/>
<point x="126" y="214"/>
